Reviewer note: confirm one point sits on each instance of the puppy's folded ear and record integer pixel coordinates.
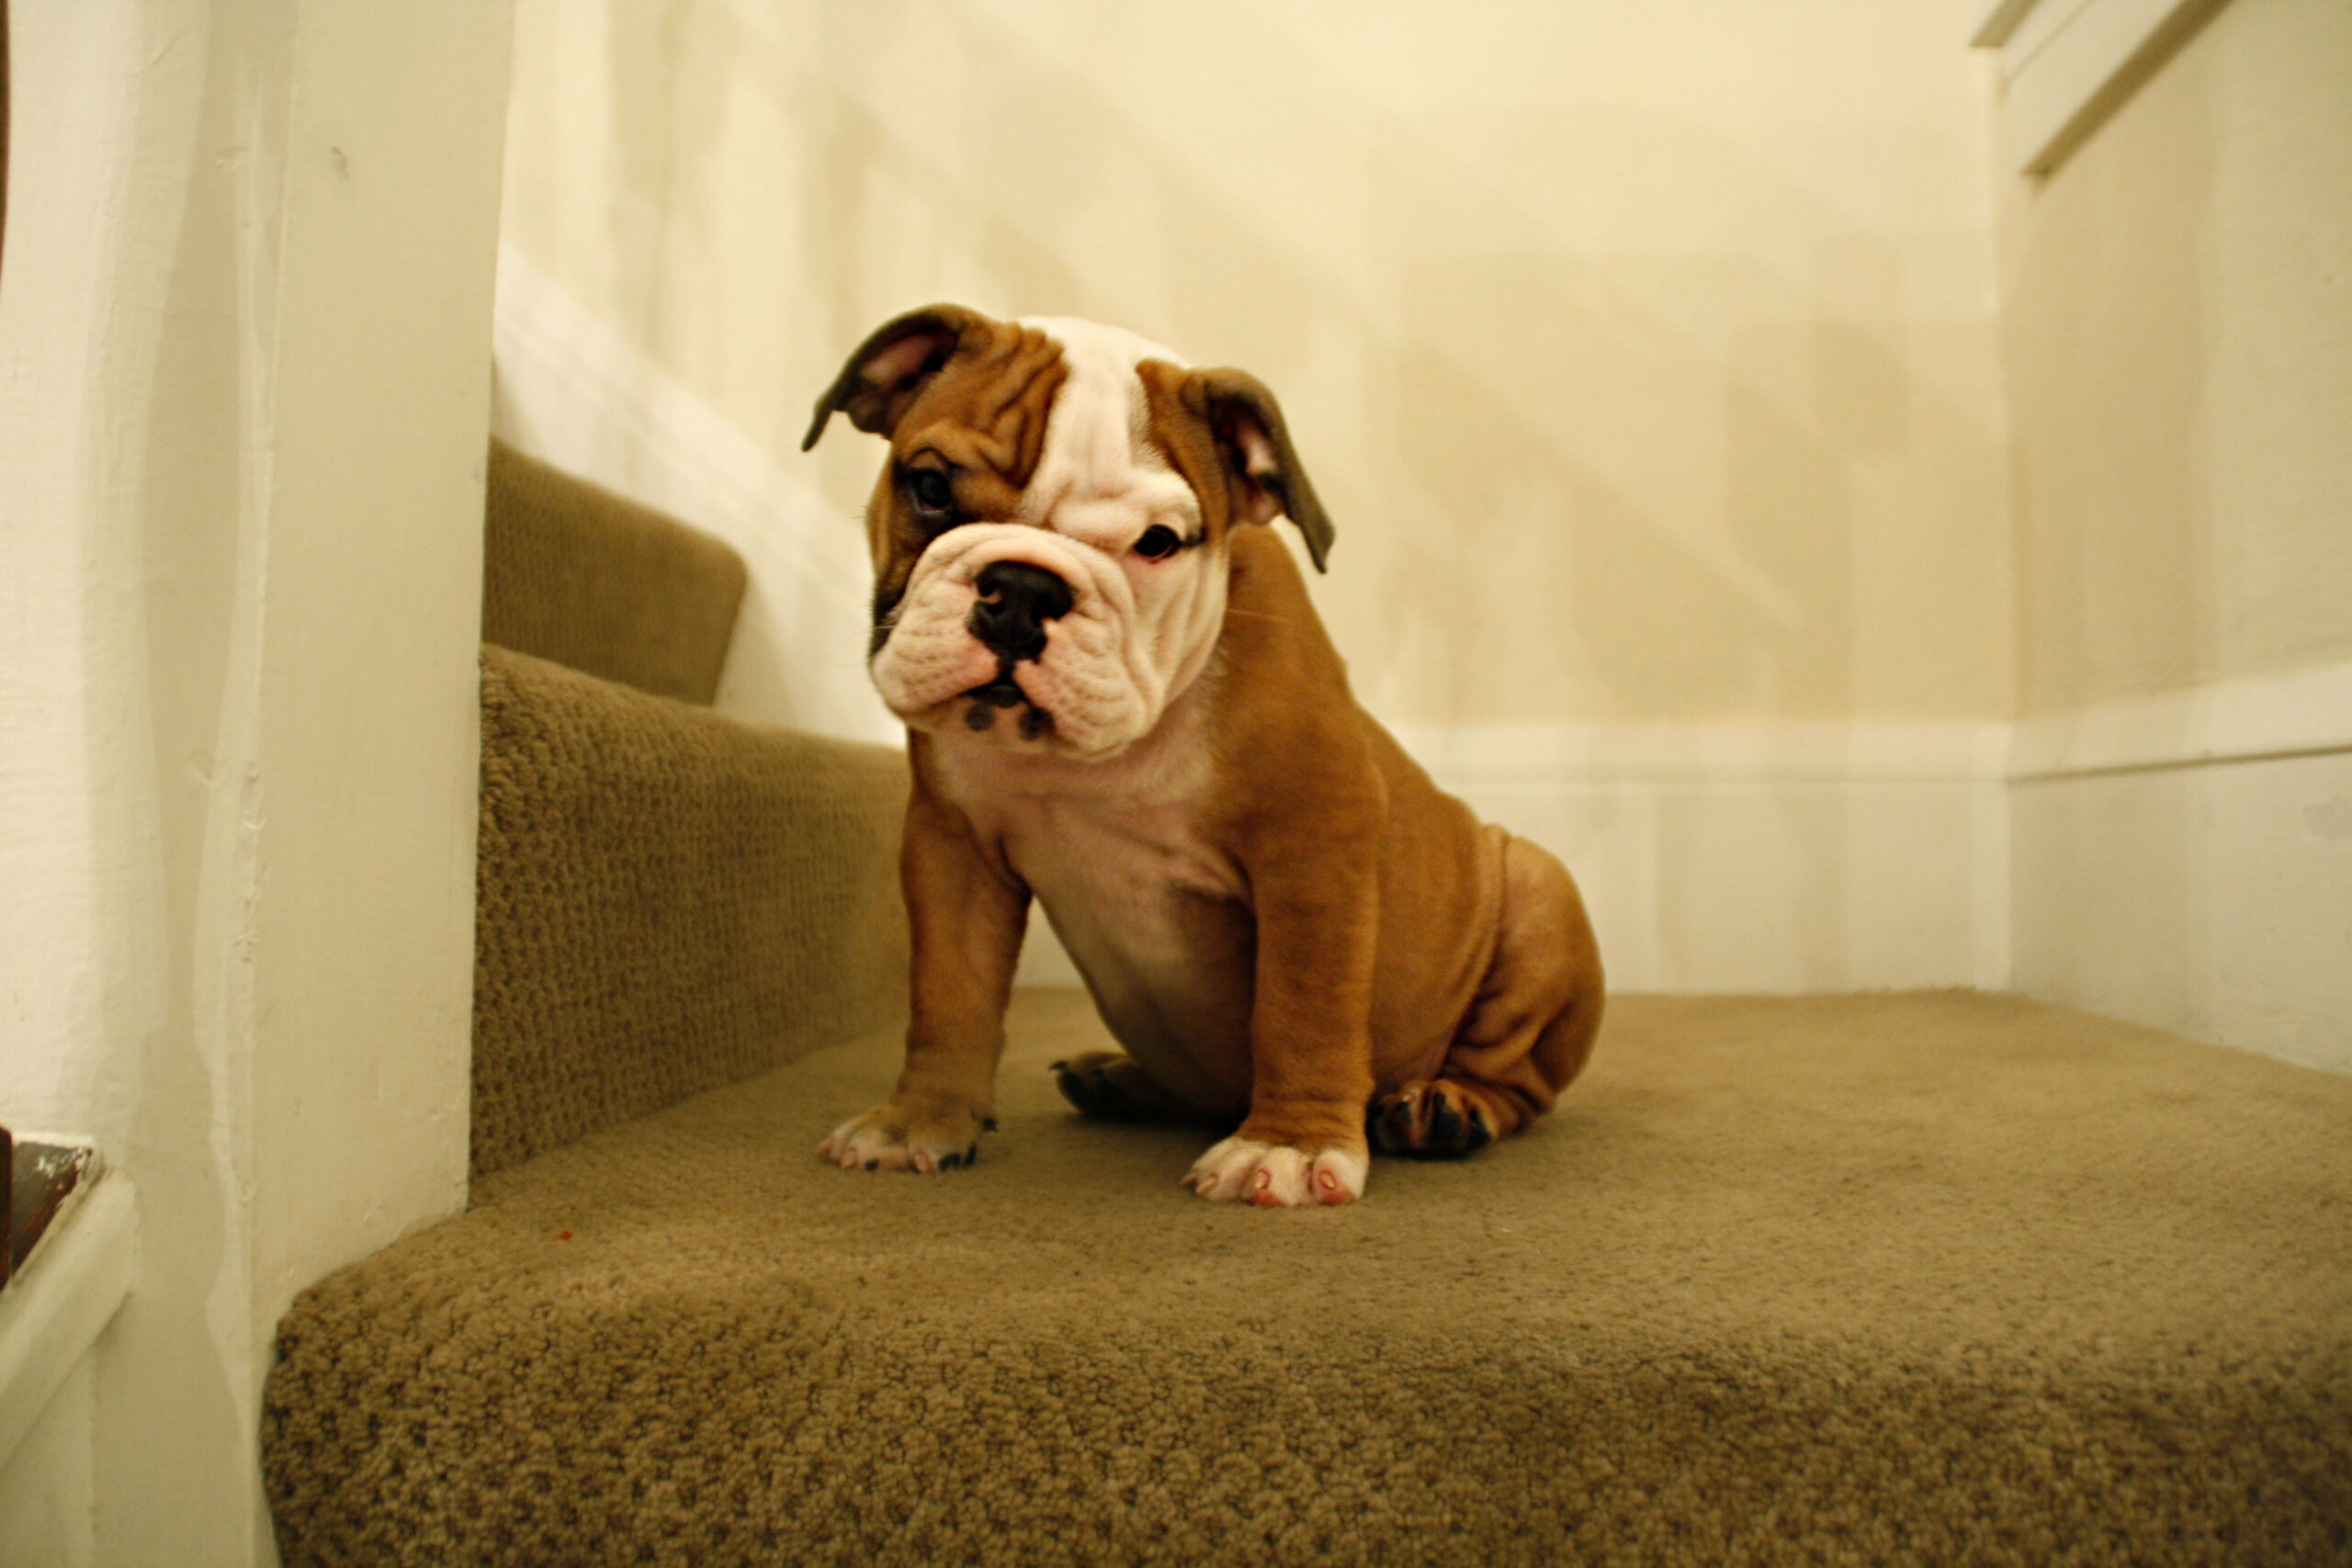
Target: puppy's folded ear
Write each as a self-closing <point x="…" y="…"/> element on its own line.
<point x="1262" y="472"/>
<point x="889" y="368"/>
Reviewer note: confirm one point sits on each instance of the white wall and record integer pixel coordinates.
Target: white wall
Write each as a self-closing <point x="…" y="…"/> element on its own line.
<point x="2176" y="310"/>
<point x="1645" y="354"/>
<point x="244" y="386"/>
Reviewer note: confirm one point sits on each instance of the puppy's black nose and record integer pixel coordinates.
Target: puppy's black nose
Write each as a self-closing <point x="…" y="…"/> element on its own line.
<point x="1016" y="600"/>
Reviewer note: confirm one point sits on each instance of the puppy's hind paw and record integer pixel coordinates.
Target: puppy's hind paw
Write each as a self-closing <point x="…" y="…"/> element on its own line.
<point x="1438" y="1117"/>
<point x="1115" y="1088"/>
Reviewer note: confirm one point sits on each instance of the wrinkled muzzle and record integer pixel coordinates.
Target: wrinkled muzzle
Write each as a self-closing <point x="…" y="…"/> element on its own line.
<point x="1022" y="636"/>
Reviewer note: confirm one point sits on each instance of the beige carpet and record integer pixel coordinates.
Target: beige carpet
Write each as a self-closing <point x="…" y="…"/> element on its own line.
<point x="668" y="899"/>
<point x="574" y="573"/>
<point x="1941" y="1279"/>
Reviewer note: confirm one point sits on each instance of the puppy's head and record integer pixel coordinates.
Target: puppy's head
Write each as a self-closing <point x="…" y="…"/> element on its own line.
<point x="1050" y="532"/>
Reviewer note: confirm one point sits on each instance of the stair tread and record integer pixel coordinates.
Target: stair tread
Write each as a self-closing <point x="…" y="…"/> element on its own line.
<point x="1915" y="1269"/>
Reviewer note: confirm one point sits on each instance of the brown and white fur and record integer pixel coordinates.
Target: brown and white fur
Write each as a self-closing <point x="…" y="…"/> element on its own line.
<point x="1119" y="701"/>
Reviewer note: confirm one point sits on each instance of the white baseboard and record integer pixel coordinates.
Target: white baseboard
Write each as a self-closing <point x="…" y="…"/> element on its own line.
<point x="2184" y="861"/>
<point x="2298" y="713"/>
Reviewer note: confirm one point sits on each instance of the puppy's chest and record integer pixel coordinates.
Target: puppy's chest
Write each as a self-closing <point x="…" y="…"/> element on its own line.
<point x="1121" y="844"/>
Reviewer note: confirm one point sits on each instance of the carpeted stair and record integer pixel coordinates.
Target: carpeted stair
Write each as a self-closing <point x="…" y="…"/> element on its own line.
<point x="668" y="899"/>
<point x="1940" y="1279"/>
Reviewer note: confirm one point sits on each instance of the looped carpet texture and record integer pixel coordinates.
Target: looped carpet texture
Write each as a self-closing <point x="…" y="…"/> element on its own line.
<point x="1938" y="1278"/>
<point x="595" y="582"/>
<point x="668" y="899"/>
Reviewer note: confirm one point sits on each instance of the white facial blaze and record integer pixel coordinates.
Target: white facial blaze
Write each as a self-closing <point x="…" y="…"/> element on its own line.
<point x="1138" y="632"/>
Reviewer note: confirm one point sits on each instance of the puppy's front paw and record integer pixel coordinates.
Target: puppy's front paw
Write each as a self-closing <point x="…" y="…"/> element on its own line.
<point x="1276" y="1176"/>
<point x="908" y="1135"/>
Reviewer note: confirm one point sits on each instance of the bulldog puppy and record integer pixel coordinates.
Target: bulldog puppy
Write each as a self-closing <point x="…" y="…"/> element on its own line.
<point x="1119" y="701"/>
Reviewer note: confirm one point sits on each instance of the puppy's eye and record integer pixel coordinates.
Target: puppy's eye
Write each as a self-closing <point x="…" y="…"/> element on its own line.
<point x="1157" y="540"/>
<point x="931" y="492"/>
